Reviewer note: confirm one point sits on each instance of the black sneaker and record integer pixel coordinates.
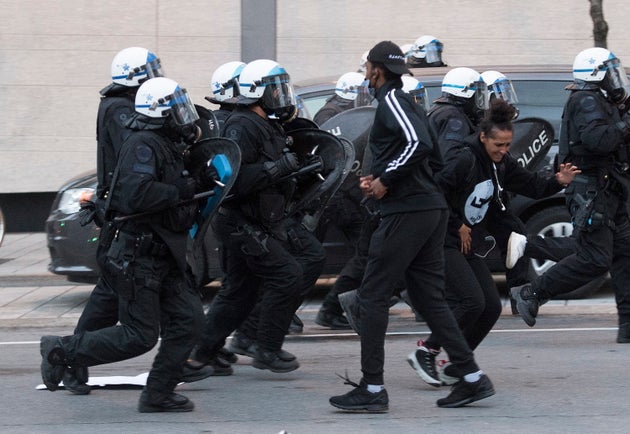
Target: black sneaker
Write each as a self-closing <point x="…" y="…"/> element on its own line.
<point x="271" y="360"/>
<point x="463" y="393"/>
<point x="332" y="320"/>
<point x="623" y="334"/>
<point x="349" y="302"/>
<point x="422" y="360"/>
<point x="360" y="399"/>
<point x="526" y="303"/>
<point x="174" y="403"/>
<point x="75" y="379"/>
<point x="296" y="326"/>
<point x="53" y="364"/>
<point x="195" y="372"/>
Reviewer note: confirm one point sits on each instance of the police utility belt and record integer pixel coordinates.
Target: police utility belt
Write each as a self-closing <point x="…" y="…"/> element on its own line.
<point x="139" y="244"/>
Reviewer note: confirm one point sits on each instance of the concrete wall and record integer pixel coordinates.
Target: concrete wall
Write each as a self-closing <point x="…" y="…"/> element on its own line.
<point x="55" y="55"/>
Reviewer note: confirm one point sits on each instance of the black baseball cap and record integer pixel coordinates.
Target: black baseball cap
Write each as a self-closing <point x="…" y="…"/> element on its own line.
<point x="391" y="56"/>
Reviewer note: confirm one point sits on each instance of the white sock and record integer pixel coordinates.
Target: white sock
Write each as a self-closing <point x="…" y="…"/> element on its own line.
<point x="375" y="388"/>
<point x="471" y="378"/>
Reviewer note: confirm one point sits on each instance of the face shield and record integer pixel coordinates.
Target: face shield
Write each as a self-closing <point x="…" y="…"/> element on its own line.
<point x="278" y="97"/>
<point x="480" y="98"/>
<point x="364" y="95"/>
<point x="615" y="82"/>
<point x="182" y="109"/>
<point x="433" y="52"/>
<point x="151" y="69"/>
<point x="420" y="98"/>
<point x="504" y="90"/>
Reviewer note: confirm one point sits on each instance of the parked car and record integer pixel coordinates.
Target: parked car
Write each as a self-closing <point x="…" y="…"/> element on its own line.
<point x="540" y="89"/>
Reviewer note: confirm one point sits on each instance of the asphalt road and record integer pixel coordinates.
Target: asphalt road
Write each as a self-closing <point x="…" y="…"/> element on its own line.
<point x="565" y="375"/>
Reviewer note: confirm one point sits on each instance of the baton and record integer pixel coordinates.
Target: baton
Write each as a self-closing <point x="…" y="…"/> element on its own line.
<point x="198" y="196"/>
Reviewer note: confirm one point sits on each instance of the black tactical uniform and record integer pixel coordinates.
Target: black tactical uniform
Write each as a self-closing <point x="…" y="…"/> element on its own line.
<point x="265" y="255"/>
<point x="147" y="262"/>
<point x="115" y="109"/>
<point x="334" y="105"/>
<point x="594" y="137"/>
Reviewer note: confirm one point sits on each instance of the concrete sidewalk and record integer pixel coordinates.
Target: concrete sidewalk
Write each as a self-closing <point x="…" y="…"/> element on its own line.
<point x="31" y="296"/>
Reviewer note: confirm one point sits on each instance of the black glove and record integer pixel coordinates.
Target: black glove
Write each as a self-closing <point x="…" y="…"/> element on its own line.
<point x="284" y="165"/>
<point x="314" y="159"/>
<point x="186" y="187"/>
<point x="208" y="175"/>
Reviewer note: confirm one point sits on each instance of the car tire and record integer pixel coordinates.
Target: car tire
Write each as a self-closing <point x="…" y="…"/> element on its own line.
<point x="556" y="222"/>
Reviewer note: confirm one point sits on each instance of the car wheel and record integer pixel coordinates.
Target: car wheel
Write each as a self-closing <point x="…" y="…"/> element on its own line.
<point x="556" y="222"/>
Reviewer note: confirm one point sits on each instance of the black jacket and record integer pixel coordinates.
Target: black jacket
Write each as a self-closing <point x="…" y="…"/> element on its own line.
<point x="473" y="184"/>
<point x="450" y="124"/>
<point x="592" y="131"/>
<point x="401" y="146"/>
<point x="149" y="165"/>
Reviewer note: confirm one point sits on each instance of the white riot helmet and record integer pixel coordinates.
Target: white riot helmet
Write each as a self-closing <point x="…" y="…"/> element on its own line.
<point x="363" y="61"/>
<point x="426" y="51"/>
<point x="224" y="82"/>
<point x="416" y="89"/>
<point x="134" y="65"/>
<point x="499" y="86"/>
<point x="267" y="82"/>
<point x="600" y="66"/>
<point x="349" y="85"/>
<point x="162" y="97"/>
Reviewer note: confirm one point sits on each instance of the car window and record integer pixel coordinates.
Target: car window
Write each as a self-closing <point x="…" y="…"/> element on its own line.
<point x="542" y="99"/>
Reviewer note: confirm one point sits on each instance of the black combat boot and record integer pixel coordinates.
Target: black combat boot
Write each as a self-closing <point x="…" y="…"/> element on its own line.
<point x="623" y="335"/>
<point x="526" y="303"/>
<point x="53" y="361"/>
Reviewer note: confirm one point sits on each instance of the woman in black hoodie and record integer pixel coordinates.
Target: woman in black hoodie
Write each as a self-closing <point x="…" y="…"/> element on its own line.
<point x="474" y="181"/>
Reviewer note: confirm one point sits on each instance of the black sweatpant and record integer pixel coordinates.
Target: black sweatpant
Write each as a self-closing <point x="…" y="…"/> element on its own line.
<point x="472" y="295"/>
<point x="410" y="245"/>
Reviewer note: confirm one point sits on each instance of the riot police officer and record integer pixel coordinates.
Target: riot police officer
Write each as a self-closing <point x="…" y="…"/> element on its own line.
<point x="456" y="114"/>
<point x="269" y="261"/>
<point x="224" y="87"/>
<point x="426" y="51"/>
<point x="594" y="136"/>
<point x="150" y="202"/>
<point x="348" y="88"/>
<point x="129" y="68"/>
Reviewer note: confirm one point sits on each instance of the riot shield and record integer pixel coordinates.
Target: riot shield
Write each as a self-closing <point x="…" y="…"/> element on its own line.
<point x="299" y="124"/>
<point x="314" y="189"/>
<point x="355" y="125"/>
<point x="207" y="122"/>
<point x="225" y="156"/>
<point x="531" y="142"/>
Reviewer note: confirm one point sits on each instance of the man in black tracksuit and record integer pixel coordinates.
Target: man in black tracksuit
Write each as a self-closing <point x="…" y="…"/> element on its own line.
<point x="595" y="136"/>
<point x="147" y="256"/>
<point x="408" y="242"/>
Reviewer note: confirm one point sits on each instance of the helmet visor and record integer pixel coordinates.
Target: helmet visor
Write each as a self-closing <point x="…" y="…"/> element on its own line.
<point x="153" y="68"/>
<point x="480" y="97"/>
<point x="182" y="108"/>
<point x="364" y="96"/>
<point x="433" y="52"/>
<point x="615" y="81"/>
<point x="504" y="90"/>
<point x="278" y="92"/>
<point x="420" y="97"/>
